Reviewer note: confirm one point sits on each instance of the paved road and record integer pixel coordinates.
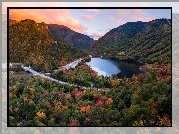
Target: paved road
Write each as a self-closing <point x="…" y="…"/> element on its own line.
<point x="68" y="66"/>
<point x="61" y="82"/>
<point x="71" y="65"/>
<point x="42" y="75"/>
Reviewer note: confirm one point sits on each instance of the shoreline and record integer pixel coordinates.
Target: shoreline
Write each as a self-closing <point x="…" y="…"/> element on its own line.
<point x="139" y="67"/>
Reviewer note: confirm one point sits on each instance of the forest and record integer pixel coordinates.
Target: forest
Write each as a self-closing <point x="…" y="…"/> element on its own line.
<point x="143" y="100"/>
<point x="89" y="99"/>
<point x="32" y="45"/>
<point x="69" y="36"/>
<point x="138" y="42"/>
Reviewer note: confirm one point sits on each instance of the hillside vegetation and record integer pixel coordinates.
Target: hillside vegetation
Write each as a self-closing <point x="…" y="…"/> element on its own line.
<point x="139" y="42"/>
<point x="69" y="36"/>
<point x="33" y="45"/>
<point x="143" y="100"/>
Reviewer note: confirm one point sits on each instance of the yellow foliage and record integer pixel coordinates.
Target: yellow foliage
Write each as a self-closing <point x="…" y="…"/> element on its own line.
<point x="41" y="114"/>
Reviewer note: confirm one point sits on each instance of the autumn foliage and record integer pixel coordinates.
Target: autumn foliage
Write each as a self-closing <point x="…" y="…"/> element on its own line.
<point x="143" y="100"/>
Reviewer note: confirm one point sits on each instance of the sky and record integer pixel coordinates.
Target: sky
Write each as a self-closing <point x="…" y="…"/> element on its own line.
<point x="92" y="22"/>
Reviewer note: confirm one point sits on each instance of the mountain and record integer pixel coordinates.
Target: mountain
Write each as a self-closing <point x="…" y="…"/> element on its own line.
<point x="141" y="42"/>
<point x="31" y="44"/>
<point x="69" y="36"/>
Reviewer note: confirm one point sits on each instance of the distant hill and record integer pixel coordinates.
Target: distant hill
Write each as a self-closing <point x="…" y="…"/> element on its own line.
<point x="31" y="44"/>
<point x="69" y="36"/>
<point x="141" y="42"/>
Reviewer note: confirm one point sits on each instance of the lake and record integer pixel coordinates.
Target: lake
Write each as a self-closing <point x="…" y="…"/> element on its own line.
<point x="107" y="67"/>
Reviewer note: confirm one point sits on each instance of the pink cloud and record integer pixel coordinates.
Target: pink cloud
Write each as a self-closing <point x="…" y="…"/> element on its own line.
<point x="87" y="17"/>
<point x="121" y="22"/>
<point x="125" y="15"/>
<point x="55" y="16"/>
<point x="118" y="21"/>
<point x="112" y="18"/>
<point x="122" y="12"/>
<point x="139" y="11"/>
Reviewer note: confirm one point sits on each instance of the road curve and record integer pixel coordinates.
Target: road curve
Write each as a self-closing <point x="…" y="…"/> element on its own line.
<point x="68" y="66"/>
<point x="72" y="64"/>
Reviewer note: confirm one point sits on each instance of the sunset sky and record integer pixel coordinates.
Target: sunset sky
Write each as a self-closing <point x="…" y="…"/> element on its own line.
<point x="92" y="22"/>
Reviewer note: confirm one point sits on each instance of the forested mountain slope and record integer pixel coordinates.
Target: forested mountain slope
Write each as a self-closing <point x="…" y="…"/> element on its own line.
<point x="69" y="36"/>
<point x="31" y="44"/>
<point x="142" y="42"/>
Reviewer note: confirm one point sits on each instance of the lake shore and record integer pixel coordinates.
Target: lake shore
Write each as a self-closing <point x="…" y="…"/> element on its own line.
<point x="106" y="66"/>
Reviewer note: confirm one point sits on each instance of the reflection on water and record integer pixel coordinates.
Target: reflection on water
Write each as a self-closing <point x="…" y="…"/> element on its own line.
<point x="109" y="67"/>
<point x="127" y="69"/>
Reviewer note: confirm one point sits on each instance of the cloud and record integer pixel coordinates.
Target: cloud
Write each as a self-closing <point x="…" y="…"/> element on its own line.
<point x="123" y="15"/>
<point x="92" y="10"/>
<point x="120" y="22"/>
<point x="87" y="17"/>
<point x="95" y="35"/>
<point x="140" y="15"/>
<point x="104" y="29"/>
<point x="55" y="16"/>
<point x="112" y="18"/>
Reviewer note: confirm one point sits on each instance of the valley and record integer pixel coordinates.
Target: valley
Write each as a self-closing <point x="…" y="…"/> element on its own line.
<point x="66" y="91"/>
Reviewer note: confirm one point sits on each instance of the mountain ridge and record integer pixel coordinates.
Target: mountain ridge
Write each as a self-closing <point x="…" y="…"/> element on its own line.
<point x="133" y="38"/>
<point x="69" y="36"/>
<point x="64" y="34"/>
<point x="31" y="44"/>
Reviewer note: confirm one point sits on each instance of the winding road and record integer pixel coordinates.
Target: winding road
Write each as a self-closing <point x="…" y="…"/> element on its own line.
<point x="68" y="66"/>
<point x="72" y="64"/>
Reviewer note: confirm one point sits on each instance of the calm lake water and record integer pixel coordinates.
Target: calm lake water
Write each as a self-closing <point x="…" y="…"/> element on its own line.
<point x="109" y="67"/>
